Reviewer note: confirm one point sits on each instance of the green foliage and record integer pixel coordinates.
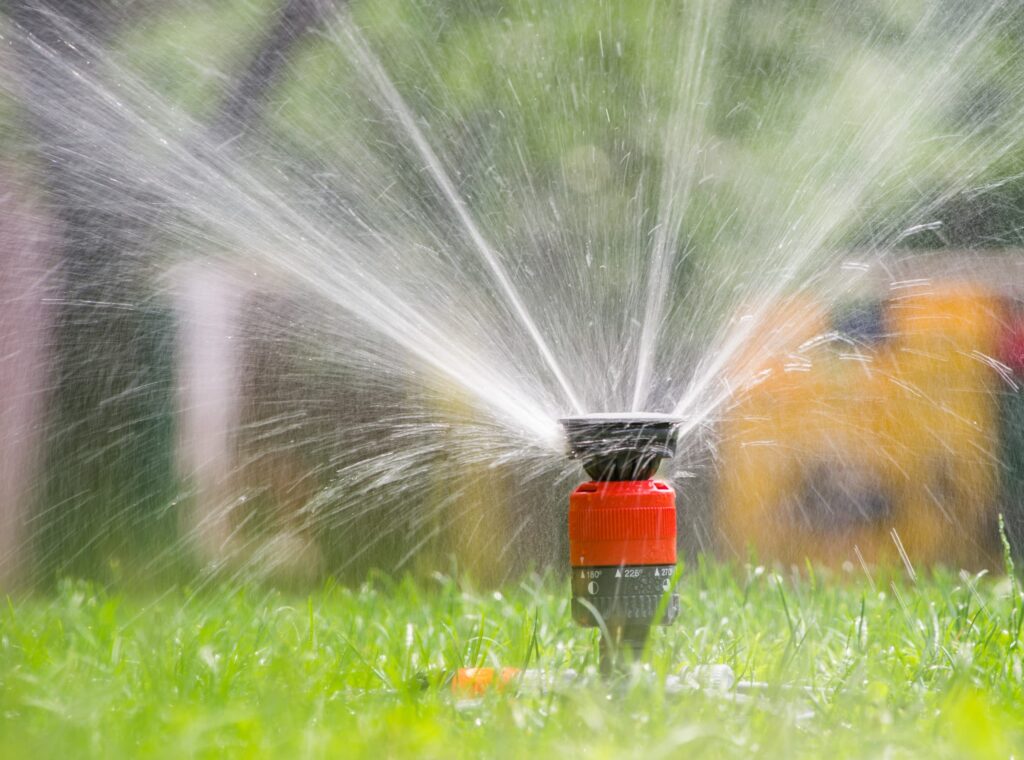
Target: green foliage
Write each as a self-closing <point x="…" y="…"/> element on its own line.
<point x="847" y="669"/>
<point x="184" y="50"/>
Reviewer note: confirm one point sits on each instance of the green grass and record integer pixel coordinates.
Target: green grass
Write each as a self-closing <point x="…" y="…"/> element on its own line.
<point x="853" y="668"/>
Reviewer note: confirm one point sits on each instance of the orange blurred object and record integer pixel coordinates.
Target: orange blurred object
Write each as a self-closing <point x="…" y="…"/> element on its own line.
<point x="868" y="450"/>
<point x="474" y="682"/>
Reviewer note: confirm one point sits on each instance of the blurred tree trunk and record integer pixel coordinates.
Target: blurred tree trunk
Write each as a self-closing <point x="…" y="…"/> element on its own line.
<point x="242" y="105"/>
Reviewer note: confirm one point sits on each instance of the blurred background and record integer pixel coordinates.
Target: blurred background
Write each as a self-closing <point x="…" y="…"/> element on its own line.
<point x="167" y="414"/>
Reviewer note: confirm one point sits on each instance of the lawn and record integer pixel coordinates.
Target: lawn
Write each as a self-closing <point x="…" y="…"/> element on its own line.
<point x="845" y="665"/>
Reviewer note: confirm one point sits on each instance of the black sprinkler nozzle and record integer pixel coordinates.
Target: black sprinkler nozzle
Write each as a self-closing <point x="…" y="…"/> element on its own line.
<point x="621" y="446"/>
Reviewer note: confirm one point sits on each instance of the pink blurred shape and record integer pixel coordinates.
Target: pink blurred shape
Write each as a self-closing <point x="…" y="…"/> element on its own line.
<point x="26" y="272"/>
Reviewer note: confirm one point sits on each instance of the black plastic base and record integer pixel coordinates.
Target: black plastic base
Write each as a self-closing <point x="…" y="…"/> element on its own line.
<point x="625" y="596"/>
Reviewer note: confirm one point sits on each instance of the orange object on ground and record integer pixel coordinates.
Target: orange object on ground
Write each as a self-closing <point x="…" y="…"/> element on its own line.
<point x="474" y="682"/>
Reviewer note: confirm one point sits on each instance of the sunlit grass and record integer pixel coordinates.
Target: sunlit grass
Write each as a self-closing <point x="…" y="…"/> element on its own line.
<point x="846" y="667"/>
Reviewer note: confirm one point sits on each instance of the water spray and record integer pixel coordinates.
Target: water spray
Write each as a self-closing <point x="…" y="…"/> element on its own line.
<point x="622" y="530"/>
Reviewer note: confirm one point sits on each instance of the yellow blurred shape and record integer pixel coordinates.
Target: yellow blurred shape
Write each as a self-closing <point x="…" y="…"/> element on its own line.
<point x="833" y="449"/>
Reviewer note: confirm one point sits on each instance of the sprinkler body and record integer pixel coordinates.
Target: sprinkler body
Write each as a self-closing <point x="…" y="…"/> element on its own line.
<point x="622" y="530"/>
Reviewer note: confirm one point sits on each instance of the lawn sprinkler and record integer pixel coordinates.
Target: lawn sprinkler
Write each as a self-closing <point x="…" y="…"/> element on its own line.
<point x="622" y="547"/>
<point x="622" y="529"/>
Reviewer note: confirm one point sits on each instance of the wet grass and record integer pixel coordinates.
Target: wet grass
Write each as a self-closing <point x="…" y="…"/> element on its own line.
<point x="848" y="667"/>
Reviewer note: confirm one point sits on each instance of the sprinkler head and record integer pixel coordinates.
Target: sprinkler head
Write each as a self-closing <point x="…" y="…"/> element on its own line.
<point x="622" y="529"/>
<point x="622" y="446"/>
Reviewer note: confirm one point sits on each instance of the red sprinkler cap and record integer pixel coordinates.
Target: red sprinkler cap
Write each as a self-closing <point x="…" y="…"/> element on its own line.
<point x="622" y="522"/>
